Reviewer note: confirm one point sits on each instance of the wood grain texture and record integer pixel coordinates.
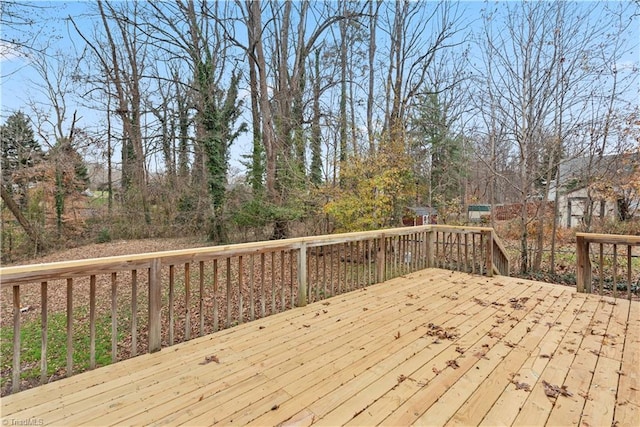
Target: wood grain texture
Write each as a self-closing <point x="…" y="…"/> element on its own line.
<point x="434" y="347"/>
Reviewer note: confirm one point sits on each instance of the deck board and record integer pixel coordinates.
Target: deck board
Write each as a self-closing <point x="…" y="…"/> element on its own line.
<point x="372" y="357"/>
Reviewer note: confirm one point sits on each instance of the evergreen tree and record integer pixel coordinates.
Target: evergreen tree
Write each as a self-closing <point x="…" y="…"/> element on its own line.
<point x="20" y="151"/>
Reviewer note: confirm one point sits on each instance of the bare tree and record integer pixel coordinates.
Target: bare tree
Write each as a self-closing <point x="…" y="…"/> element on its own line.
<point x="538" y="72"/>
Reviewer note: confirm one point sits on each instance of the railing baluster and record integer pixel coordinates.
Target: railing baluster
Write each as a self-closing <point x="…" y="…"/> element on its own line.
<point x="240" y="289"/>
<point x="229" y="292"/>
<point x="351" y="261"/>
<point x="459" y="263"/>
<point x="44" y="311"/>
<point x="357" y="265"/>
<point x="216" y="314"/>
<point x="273" y="282"/>
<point x="325" y="254"/>
<point x="171" y="303"/>
<point x="69" y="327"/>
<point x="201" y="302"/>
<point x="291" y="281"/>
<point x="339" y="275"/>
<point x="615" y="270"/>
<point x="263" y="302"/>
<point x="282" y="282"/>
<point x="473" y="249"/>
<point x="187" y="301"/>
<point x="92" y="321"/>
<point x="134" y="312"/>
<point x="601" y="269"/>
<point x="629" y="272"/>
<point x="466" y="252"/>
<point x="15" y="385"/>
<point x="114" y="317"/>
<point x="252" y="306"/>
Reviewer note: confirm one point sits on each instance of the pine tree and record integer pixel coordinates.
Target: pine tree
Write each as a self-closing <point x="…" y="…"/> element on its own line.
<point x="19" y="147"/>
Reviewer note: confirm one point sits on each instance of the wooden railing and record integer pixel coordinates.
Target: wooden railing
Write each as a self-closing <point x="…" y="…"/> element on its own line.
<point x="473" y="249"/>
<point x="608" y="264"/>
<point x="132" y="304"/>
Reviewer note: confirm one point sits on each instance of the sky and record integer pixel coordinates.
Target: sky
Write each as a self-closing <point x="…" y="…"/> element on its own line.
<point x="19" y="82"/>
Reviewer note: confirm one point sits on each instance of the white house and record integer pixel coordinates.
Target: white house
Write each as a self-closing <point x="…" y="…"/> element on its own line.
<point x="577" y="194"/>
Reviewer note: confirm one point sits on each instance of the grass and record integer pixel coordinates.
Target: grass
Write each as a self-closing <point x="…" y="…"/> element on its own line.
<point x="30" y="346"/>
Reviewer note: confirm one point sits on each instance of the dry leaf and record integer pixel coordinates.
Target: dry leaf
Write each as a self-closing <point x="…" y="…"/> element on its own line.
<point x="521" y="386"/>
<point x="209" y="359"/>
<point x="553" y="390"/>
<point x="453" y="364"/>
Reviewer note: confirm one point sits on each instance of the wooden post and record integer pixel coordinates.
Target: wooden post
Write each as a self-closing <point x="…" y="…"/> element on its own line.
<point x="302" y="275"/>
<point x="489" y="254"/>
<point x="583" y="268"/>
<point x="430" y="240"/>
<point x="155" y="306"/>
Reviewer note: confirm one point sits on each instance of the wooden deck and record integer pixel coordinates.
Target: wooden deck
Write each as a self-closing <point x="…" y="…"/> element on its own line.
<point x="431" y="348"/>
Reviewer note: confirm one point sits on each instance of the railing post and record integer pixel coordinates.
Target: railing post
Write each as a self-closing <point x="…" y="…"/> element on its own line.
<point x="489" y="253"/>
<point x="302" y="275"/>
<point x="583" y="267"/>
<point x="155" y="306"/>
<point x="429" y="248"/>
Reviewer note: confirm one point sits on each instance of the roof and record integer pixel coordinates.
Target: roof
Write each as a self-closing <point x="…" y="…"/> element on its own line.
<point x="423" y="210"/>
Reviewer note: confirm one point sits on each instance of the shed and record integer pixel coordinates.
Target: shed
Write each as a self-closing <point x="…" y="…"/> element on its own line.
<point x="479" y="213"/>
<point x="419" y="215"/>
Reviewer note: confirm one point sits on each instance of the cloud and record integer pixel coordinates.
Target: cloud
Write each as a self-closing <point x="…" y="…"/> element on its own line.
<point x="9" y="51"/>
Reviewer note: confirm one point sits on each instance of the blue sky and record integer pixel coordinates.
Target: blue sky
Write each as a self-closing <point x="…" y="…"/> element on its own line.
<point x="19" y="81"/>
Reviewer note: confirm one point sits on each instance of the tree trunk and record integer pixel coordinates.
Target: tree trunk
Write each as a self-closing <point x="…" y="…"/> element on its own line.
<point x="24" y="223"/>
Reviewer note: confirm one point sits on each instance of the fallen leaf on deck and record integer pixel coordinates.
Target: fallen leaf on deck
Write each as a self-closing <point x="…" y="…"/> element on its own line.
<point x="209" y="359"/>
<point x="552" y="390"/>
<point x="480" y="302"/>
<point x="521" y="386"/>
<point x="453" y="364"/>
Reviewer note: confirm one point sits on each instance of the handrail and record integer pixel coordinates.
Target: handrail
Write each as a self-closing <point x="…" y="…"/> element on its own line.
<point x="249" y="280"/>
<point x="584" y="268"/>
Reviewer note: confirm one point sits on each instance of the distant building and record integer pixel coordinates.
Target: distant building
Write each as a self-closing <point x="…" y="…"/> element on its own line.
<point x="419" y="215"/>
<point x="99" y="177"/>
<point x="479" y="213"/>
<point x="588" y="186"/>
